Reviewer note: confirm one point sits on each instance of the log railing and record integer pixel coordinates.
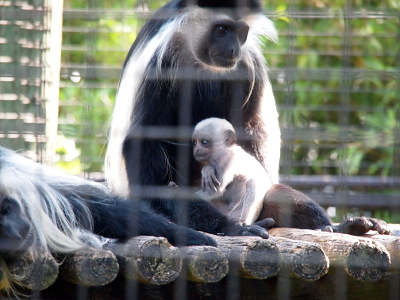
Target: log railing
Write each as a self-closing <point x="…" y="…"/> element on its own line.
<point x="304" y="255"/>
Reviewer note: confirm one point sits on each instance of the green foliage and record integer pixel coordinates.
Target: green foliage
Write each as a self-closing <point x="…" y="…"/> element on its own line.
<point x="343" y="88"/>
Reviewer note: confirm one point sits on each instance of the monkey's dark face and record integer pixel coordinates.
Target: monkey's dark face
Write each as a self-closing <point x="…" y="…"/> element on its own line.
<point x="202" y="149"/>
<point x="221" y="48"/>
<point x="15" y="228"/>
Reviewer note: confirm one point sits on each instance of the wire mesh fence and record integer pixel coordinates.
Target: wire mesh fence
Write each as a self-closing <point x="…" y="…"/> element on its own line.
<point x="335" y="74"/>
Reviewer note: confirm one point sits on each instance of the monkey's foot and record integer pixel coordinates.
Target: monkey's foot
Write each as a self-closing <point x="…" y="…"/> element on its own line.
<point x="361" y="225"/>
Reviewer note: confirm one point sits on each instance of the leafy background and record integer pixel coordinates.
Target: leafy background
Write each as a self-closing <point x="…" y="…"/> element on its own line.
<point x="335" y="74"/>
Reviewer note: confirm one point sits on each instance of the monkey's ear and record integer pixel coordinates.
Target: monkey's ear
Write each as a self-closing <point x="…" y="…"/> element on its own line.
<point x="230" y="138"/>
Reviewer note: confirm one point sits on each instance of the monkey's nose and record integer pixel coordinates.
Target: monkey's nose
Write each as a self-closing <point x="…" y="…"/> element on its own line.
<point x="234" y="53"/>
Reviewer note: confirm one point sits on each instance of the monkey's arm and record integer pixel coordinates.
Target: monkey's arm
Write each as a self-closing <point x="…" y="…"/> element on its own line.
<point x="209" y="180"/>
<point x="213" y="185"/>
<point x="209" y="184"/>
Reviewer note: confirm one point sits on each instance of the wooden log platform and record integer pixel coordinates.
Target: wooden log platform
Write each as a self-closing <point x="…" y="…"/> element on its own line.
<point x="148" y="259"/>
<point x="362" y="258"/>
<point x="33" y="270"/>
<point x="90" y="267"/>
<point x="392" y="245"/>
<point x="204" y="263"/>
<point x="253" y="257"/>
<point x="250" y="267"/>
<point x="304" y="260"/>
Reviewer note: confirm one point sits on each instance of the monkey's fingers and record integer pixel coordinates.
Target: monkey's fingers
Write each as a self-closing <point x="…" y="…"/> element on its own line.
<point x="254" y="230"/>
<point x="208" y="184"/>
<point x="361" y="225"/>
<point x="266" y="223"/>
<point x="172" y="184"/>
<point x="380" y="226"/>
<point x="215" y="180"/>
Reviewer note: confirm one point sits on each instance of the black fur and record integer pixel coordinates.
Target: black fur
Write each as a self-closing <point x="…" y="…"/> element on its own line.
<point x="191" y="95"/>
<point x="291" y="208"/>
<point x="29" y="190"/>
<point x="163" y="100"/>
<point x="169" y="11"/>
<point x="159" y="104"/>
<point x="249" y="4"/>
<point x="121" y="219"/>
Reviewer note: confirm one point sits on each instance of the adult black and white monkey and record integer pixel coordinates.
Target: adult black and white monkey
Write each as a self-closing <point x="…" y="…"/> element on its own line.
<point x="43" y="208"/>
<point x="192" y="60"/>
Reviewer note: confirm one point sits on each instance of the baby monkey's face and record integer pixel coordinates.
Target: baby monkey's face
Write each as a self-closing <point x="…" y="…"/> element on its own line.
<point x="202" y="148"/>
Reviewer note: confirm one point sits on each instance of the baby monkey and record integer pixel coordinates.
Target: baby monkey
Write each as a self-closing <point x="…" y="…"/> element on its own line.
<point x="232" y="180"/>
<point x="236" y="183"/>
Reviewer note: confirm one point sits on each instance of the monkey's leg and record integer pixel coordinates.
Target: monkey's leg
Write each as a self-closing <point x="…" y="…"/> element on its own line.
<point x="291" y="208"/>
<point x="251" y="207"/>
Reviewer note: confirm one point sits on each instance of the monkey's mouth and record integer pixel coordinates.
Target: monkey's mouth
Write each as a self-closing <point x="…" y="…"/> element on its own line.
<point x="224" y="62"/>
<point x="201" y="157"/>
<point x="17" y="245"/>
<point x="11" y="247"/>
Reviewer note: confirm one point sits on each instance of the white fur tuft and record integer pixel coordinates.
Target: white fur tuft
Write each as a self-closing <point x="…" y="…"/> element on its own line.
<point x="123" y="115"/>
<point x="39" y="190"/>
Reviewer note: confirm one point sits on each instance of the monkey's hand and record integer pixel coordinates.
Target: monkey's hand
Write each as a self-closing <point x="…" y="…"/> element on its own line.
<point x="195" y="238"/>
<point x="267" y="223"/>
<point x="361" y="225"/>
<point x="209" y="181"/>
<point x="172" y="184"/>
<point x="254" y="230"/>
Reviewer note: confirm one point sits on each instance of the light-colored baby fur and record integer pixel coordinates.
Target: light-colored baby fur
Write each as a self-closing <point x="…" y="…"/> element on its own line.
<point x="214" y="128"/>
<point x="190" y="23"/>
<point x="244" y="181"/>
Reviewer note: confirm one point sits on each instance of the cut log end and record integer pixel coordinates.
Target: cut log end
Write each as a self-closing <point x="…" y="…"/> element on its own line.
<point x="253" y="257"/>
<point x="362" y="258"/>
<point x="149" y="259"/>
<point x="159" y="262"/>
<point x="90" y="267"/>
<point x="205" y="263"/>
<point x="34" y="271"/>
<point x="309" y="263"/>
<point x="367" y="261"/>
<point x="262" y="260"/>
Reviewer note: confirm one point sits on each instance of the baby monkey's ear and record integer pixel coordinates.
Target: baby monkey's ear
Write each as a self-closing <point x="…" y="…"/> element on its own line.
<point x="230" y="138"/>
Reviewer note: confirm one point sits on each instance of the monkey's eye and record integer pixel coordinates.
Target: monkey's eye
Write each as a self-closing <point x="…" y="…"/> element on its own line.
<point x="5" y="209"/>
<point x="194" y="143"/>
<point x="204" y="142"/>
<point x="221" y="29"/>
